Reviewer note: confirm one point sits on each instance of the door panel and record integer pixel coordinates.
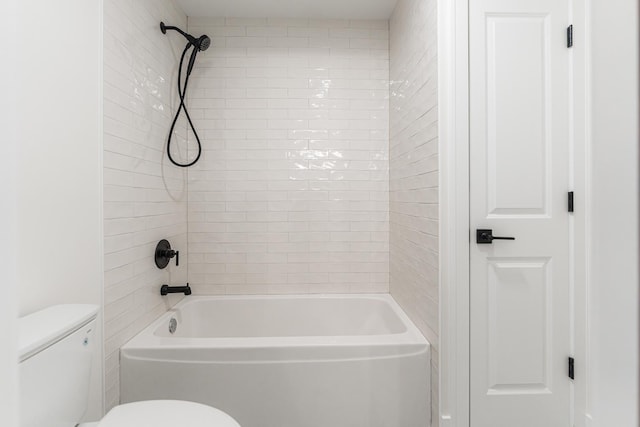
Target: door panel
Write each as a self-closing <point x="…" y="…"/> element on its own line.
<point x="518" y="133"/>
<point x="520" y="114"/>
<point x="518" y="293"/>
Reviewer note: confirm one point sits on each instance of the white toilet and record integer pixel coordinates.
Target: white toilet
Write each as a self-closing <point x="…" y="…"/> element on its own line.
<point x="56" y="348"/>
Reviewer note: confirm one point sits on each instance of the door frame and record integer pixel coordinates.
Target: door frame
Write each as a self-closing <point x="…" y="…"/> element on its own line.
<point x="453" y="103"/>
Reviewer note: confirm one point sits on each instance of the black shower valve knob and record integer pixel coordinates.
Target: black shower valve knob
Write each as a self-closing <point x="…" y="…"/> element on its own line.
<point x="171" y="253"/>
<point x="164" y="254"/>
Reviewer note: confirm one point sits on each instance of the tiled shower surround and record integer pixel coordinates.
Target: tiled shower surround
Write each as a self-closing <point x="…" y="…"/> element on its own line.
<point x="414" y="171"/>
<point x="145" y="199"/>
<point x="308" y="183"/>
<point x="291" y="193"/>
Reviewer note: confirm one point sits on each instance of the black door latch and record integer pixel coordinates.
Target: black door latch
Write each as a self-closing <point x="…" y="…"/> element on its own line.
<point x="486" y="236"/>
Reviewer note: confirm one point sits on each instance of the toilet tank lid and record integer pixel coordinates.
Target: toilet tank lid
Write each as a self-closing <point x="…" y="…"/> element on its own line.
<point x="39" y="330"/>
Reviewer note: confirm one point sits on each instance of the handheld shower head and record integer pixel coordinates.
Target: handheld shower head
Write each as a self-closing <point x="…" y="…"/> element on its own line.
<point x="201" y="43"/>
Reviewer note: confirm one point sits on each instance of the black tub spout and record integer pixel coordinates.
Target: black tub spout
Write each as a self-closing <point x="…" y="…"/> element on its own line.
<point x="166" y="289"/>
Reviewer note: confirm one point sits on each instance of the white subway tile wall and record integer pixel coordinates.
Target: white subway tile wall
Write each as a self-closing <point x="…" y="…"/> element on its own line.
<point x="291" y="193"/>
<point x="145" y="199"/>
<point x="414" y="170"/>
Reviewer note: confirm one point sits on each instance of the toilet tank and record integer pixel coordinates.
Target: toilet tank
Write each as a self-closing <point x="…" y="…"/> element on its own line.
<point x="55" y="348"/>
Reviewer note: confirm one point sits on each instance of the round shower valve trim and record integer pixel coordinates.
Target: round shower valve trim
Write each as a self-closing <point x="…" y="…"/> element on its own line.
<point x="164" y="254"/>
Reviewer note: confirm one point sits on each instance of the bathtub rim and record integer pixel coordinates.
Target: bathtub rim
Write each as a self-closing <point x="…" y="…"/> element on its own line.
<point x="147" y="339"/>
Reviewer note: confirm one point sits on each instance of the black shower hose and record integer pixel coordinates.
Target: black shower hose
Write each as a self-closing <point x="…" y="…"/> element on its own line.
<point x="182" y="91"/>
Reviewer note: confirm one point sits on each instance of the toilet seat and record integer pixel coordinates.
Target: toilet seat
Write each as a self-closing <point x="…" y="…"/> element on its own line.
<point x="166" y="413"/>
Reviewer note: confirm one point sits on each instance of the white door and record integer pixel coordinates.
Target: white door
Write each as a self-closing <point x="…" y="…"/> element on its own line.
<point x="520" y="120"/>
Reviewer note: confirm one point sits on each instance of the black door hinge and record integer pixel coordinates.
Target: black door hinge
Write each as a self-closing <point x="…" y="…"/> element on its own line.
<point x="570" y="202"/>
<point x="570" y="36"/>
<point x="571" y="368"/>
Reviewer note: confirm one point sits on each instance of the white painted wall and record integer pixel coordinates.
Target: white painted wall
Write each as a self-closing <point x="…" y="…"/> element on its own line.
<point x="614" y="259"/>
<point x="59" y="166"/>
<point x="59" y="175"/>
<point x="9" y="300"/>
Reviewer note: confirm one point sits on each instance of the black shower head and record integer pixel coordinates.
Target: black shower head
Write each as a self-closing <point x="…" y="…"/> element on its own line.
<point x="201" y="43"/>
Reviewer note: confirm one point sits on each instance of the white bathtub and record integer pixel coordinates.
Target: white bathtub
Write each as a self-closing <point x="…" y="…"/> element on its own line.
<point x="286" y="361"/>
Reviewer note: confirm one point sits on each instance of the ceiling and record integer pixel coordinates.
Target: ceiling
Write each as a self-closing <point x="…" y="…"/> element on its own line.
<point x="321" y="9"/>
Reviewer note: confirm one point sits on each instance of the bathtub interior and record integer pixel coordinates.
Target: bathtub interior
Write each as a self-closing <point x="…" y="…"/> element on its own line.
<point x="282" y="317"/>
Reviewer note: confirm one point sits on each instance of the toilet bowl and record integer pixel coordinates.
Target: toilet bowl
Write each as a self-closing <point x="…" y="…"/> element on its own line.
<point x="56" y="350"/>
<point x="164" y="413"/>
